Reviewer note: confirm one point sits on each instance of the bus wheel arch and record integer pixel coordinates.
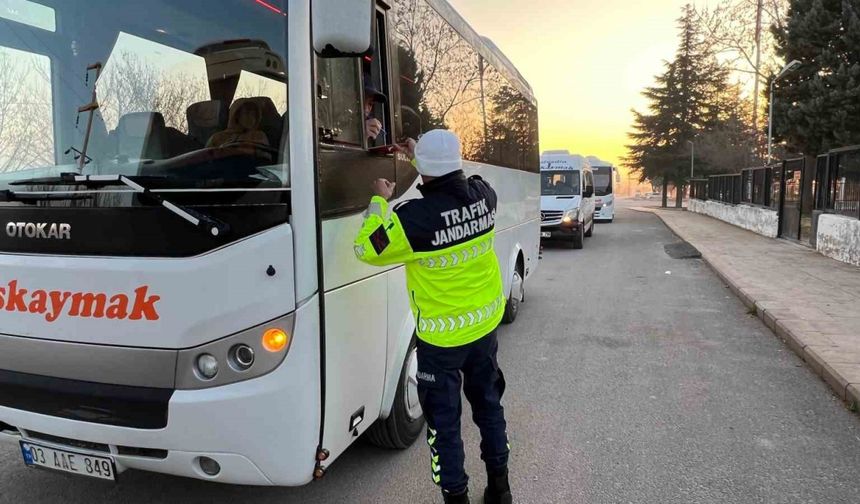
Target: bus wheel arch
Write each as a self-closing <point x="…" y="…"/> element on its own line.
<point x="517" y="294"/>
<point x="406" y="421"/>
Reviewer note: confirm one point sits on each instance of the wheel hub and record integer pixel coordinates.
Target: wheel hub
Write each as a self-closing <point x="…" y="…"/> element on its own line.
<point x="410" y="390"/>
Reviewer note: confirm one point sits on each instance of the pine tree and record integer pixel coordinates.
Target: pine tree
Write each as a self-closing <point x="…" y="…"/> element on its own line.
<point x="686" y="101"/>
<point x="817" y="106"/>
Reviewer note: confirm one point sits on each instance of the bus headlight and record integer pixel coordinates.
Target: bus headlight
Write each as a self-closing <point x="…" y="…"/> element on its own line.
<point x="570" y="216"/>
<point x="245" y="355"/>
<point x="207" y="366"/>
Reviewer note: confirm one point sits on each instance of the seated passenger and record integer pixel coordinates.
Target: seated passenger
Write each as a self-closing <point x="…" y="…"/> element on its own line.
<point x="242" y="127"/>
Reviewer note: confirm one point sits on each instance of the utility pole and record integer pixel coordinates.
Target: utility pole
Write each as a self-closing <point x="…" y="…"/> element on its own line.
<point x="759" y="9"/>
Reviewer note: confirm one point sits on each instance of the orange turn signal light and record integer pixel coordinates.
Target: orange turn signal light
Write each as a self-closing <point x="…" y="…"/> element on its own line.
<point x="275" y="340"/>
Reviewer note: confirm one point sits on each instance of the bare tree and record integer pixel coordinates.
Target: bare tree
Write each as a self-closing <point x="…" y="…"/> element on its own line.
<point x="448" y="66"/>
<point x="129" y="85"/>
<point x="26" y="122"/>
<point x="738" y="31"/>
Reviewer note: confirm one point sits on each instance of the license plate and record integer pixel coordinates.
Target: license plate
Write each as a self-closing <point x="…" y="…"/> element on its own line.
<point x="545" y="234"/>
<point x="68" y="462"/>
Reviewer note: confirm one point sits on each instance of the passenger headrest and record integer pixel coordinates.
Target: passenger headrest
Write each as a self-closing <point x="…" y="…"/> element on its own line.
<point x="140" y="124"/>
<point x="205" y="114"/>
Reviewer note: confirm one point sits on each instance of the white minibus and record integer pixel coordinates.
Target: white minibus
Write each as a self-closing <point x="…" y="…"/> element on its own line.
<point x="567" y="198"/>
<point x="604" y="189"/>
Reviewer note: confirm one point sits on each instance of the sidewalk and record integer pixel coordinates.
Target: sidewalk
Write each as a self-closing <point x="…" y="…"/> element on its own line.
<point x="810" y="301"/>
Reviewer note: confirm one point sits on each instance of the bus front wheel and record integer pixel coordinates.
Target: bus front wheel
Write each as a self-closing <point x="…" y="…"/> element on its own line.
<point x="518" y="294"/>
<point x="406" y="421"/>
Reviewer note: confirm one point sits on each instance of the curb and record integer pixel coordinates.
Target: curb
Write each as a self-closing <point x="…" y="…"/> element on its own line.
<point x="849" y="393"/>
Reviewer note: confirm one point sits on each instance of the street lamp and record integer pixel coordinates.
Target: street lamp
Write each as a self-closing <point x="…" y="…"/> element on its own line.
<point x="692" y="157"/>
<point x="788" y="68"/>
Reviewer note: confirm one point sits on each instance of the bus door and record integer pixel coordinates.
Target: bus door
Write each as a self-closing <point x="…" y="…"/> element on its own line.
<point x="356" y="295"/>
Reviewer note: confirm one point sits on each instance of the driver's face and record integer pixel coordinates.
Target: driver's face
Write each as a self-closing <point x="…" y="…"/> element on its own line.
<point x="368" y="106"/>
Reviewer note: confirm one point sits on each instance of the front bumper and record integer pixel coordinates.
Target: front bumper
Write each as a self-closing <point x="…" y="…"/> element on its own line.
<point x="604" y="213"/>
<point x="560" y="230"/>
<point x="262" y="431"/>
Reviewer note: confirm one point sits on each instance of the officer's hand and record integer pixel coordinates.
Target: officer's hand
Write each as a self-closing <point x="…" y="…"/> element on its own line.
<point x="372" y="128"/>
<point x="407" y="147"/>
<point x="383" y="188"/>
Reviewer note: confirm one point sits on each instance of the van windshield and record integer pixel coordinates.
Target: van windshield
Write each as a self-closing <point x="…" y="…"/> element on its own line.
<point x="602" y="180"/>
<point x="560" y="183"/>
<point x="191" y="95"/>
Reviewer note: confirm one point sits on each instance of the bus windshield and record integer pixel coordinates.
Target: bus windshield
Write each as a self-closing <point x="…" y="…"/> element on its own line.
<point x="560" y="183"/>
<point x="172" y="89"/>
<point x="602" y="180"/>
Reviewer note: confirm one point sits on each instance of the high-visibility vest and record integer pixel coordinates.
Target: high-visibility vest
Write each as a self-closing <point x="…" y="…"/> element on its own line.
<point x="445" y="241"/>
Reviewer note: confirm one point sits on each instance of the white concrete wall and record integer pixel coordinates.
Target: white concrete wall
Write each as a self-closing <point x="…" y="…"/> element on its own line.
<point x="839" y="237"/>
<point x="763" y="221"/>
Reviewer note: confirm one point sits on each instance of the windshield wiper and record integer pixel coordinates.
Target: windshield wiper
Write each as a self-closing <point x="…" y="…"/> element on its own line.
<point x="7" y="196"/>
<point x="200" y="220"/>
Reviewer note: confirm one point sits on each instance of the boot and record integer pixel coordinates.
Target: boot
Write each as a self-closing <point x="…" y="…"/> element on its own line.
<point x="461" y="498"/>
<point x="498" y="488"/>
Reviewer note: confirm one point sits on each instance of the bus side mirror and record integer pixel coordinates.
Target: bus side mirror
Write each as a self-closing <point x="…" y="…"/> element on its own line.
<point x="342" y="28"/>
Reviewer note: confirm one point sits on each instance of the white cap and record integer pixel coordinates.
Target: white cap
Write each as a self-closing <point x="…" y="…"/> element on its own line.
<point x="438" y="153"/>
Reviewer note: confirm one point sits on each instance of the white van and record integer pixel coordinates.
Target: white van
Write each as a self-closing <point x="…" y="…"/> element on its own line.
<point x="604" y="189"/>
<point x="567" y="197"/>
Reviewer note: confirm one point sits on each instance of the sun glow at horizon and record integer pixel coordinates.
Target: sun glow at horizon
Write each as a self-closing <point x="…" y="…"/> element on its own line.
<point x="587" y="62"/>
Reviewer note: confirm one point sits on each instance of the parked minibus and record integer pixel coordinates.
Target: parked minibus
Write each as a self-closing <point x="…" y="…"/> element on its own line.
<point x="567" y="198"/>
<point x="604" y="189"/>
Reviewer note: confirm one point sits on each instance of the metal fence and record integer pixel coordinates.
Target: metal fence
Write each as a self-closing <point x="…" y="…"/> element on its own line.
<point x="835" y="184"/>
<point x="752" y="186"/>
<point x="837" y="181"/>
<point x="725" y="188"/>
<point x="757" y="186"/>
<point x="699" y="189"/>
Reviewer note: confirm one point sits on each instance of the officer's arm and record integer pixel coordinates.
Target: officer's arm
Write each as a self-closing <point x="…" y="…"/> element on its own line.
<point x="382" y="240"/>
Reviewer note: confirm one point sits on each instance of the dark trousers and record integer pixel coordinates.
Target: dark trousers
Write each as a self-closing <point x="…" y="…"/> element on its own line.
<point x="442" y="372"/>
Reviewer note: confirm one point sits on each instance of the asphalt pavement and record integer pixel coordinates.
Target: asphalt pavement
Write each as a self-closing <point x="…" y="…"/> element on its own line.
<point x="633" y="377"/>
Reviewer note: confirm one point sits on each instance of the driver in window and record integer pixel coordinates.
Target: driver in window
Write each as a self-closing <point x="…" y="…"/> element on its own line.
<point x="242" y="127"/>
<point x="372" y="125"/>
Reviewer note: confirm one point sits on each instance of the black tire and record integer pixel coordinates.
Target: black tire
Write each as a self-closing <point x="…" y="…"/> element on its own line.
<point x="578" y="239"/>
<point x="399" y="431"/>
<point x="512" y="307"/>
<point x="590" y="230"/>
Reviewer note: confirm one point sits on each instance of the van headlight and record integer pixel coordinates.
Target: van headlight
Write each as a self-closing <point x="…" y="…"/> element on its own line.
<point x="245" y="355"/>
<point x="570" y="216"/>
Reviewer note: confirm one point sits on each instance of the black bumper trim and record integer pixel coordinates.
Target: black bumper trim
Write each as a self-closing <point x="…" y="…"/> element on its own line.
<point x="560" y="231"/>
<point x="118" y="405"/>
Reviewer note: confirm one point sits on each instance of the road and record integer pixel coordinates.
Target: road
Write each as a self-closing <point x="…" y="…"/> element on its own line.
<point x="632" y="377"/>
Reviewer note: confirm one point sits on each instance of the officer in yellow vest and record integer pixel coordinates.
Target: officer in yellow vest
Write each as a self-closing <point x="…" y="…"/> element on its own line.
<point x="445" y="240"/>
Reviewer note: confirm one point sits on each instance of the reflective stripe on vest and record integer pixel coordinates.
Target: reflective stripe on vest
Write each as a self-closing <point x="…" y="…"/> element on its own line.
<point x="451" y="259"/>
<point x="449" y="323"/>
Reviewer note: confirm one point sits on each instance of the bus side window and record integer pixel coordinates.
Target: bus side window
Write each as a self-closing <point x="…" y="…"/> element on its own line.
<point x="377" y="92"/>
<point x="346" y="169"/>
<point x="339" y="106"/>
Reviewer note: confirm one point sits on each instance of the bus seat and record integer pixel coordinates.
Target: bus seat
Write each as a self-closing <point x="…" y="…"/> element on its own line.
<point x="101" y="144"/>
<point x="205" y="119"/>
<point x="141" y="135"/>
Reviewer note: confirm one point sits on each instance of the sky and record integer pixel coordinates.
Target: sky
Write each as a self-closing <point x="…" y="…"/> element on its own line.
<point x="587" y="61"/>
